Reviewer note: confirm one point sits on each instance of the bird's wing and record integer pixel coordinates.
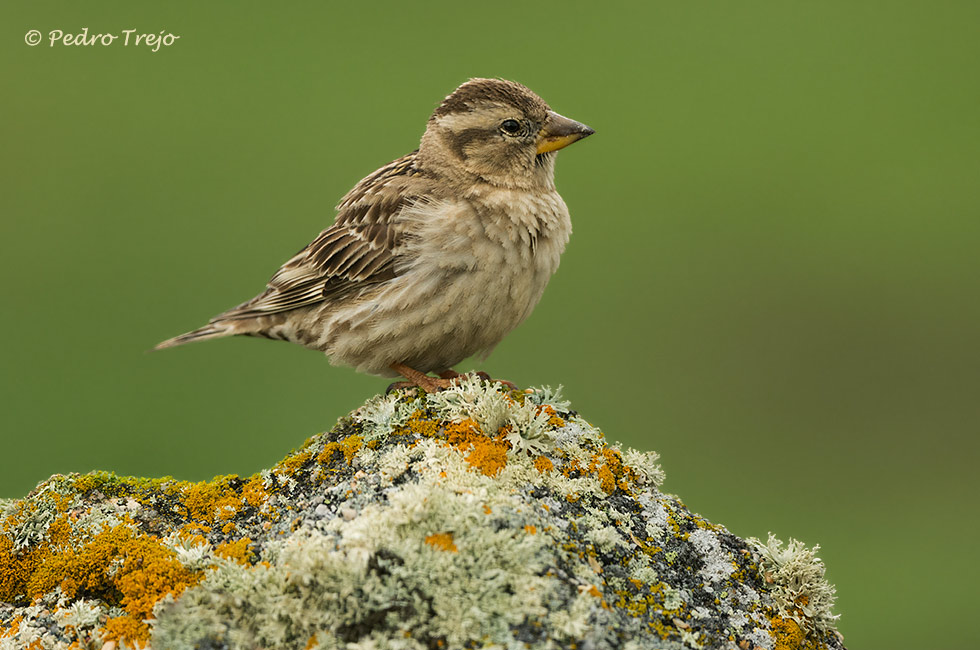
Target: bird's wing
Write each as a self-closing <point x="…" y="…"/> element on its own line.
<point x="359" y="249"/>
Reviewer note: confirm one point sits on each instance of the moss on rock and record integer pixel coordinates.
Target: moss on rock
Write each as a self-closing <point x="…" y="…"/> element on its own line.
<point x="476" y="517"/>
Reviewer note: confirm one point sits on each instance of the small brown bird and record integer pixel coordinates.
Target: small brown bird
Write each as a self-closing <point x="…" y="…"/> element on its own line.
<point x="435" y="256"/>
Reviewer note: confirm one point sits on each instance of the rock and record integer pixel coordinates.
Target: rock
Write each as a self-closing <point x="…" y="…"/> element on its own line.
<point x="477" y="517"/>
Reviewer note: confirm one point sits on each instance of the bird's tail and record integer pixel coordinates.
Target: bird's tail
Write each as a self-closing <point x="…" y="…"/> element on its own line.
<point x="209" y="331"/>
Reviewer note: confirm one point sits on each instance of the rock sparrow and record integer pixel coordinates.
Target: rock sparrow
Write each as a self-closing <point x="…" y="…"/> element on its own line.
<point x="435" y="256"/>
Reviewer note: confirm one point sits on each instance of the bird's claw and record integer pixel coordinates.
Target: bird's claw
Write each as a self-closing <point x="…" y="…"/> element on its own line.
<point x="398" y="385"/>
<point x="486" y="377"/>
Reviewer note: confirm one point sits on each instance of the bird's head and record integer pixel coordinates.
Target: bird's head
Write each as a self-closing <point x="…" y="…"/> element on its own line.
<point x="498" y="131"/>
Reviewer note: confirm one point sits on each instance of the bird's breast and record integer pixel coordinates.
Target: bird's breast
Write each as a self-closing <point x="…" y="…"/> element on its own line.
<point x="490" y="231"/>
<point x="470" y="273"/>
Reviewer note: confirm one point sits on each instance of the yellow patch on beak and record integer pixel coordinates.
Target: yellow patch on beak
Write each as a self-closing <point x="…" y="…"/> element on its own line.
<point x="556" y="142"/>
<point x="559" y="132"/>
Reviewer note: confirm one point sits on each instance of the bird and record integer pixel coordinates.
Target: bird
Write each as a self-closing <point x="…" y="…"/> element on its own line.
<point x="435" y="256"/>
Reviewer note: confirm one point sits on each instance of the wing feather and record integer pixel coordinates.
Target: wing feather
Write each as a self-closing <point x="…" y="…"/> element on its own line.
<point x="358" y="250"/>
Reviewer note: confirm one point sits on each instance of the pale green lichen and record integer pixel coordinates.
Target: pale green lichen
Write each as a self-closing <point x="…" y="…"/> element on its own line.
<point x="334" y="582"/>
<point x="645" y="464"/>
<point x="494" y="410"/>
<point x="80" y="614"/>
<point x="546" y="395"/>
<point x="672" y="598"/>
<point x="799" y="587"/>
<point x="475" y="517"/>
<point x="383" y="414"/>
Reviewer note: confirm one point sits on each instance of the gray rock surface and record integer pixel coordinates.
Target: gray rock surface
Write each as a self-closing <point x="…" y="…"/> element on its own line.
<point x="472" y="518"/>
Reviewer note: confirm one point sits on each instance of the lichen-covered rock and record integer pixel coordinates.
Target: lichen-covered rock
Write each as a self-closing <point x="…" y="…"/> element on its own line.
<point x="472" y="518"/>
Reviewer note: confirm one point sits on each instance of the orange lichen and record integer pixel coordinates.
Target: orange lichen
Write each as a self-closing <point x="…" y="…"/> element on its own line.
<point x="788" y="634"/>
<point x="117" y="564"/>
<point x="485" y="453"/>
<point x="254" y="493"/>
<point x="554" y="419"/>
<point x="293" y="463"/>
<point x="348" y="447"/>
<point x="608" y="466"/>
<point x="14" y="628"/>
<point x="442" y="541"/>
<point x="15" y="570"/>
<point x="125" y="627"/>
<point x="489" y="455"/>
<point x="149" y="572"/>
<point x="418" y="423"/>
<point x="571" y="468"/>
<point x="607" y="481"/>
<point x="592" y="590"/>
<point x="237" y="550"/>
<point x="543" y="464"/>
<point x="460" y="434"/>
<point x="531" y="530"/>
<point x="191" y="538"/>
<point x="614" y="461"/>
<point x="208" y="501"/>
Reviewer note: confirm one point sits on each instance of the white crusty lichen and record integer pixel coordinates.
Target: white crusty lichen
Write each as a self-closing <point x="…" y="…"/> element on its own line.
<point x="477" y="517"/>
<point x="799" y="587"/>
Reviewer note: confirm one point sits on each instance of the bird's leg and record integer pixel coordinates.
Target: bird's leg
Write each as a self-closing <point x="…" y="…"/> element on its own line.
<point x="446" y="379"/>
<point x="420" y="379"/>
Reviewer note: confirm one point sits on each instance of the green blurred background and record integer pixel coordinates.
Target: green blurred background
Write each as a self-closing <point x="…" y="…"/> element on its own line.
<point x="772" y="280"/>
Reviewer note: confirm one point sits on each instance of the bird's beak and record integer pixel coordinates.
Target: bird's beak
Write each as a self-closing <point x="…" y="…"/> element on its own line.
<point x="559" y="132"/>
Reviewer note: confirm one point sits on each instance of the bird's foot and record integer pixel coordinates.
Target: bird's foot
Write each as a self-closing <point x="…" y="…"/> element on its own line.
<point x="398" y="385"/>
<point x="431" y="384"/>
<point x="486" y="377"/>
<point x="420" y="379"/>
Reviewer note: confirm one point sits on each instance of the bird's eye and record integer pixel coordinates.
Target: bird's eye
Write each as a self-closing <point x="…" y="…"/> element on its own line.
<point x="510" y="127"/>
